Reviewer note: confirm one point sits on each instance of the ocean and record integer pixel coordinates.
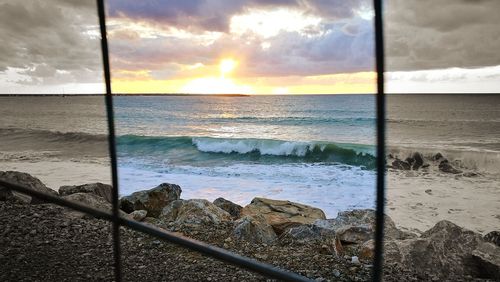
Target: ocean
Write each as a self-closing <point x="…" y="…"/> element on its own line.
<point x="313" y="149"/>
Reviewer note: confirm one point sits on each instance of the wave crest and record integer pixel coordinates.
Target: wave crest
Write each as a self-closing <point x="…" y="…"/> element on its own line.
<point x="350" y="154"/>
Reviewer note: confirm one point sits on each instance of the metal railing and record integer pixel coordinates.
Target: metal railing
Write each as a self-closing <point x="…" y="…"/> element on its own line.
<point x="198" y="246"/>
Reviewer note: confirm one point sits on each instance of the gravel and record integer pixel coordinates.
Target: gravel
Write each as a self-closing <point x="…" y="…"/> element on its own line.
<point x="40" y="243"/>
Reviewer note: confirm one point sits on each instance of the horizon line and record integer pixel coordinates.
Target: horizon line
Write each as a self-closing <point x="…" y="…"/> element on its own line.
<point x="233" y="95"/>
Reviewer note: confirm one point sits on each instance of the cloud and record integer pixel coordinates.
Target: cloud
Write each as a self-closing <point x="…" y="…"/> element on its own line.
<point x="296" y="40"/>
<point x="45" y="38"/>
<point x="215" y="15"/>
<point x="57" y="41"/>
<point x="429" y="34"/>
<point x="287" y="53"/>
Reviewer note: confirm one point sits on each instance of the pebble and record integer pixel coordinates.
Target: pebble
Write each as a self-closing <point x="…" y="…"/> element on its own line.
<point x="336" y="273"/>
<point x="355" y="260"/>
<point x="161" y="261"/>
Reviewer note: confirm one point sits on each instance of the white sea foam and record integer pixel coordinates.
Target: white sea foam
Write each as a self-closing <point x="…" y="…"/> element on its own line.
<point x="331" y="188"/>
<point x="244" y="146"/>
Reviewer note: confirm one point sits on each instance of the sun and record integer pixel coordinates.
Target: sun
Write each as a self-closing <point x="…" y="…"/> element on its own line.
<point x="226" y="66"/>
<point x="222" y="84"/>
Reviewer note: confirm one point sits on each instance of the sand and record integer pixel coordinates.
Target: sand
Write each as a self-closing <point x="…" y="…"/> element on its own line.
<point x="415" y="200"/>
<point x="55" y="174"/>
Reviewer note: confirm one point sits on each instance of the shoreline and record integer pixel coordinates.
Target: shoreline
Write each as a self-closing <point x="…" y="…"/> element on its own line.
<point x="287" y="234"/>
<point x="415" y="200"/>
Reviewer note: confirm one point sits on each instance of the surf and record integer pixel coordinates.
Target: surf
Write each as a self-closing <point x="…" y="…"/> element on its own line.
<point x="249" y="149"/>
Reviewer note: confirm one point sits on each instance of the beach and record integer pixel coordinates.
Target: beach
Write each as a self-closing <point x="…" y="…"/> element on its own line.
<point x="243" y="152"/>
<point x="316" y="160"/>
<point x="472" y="203"/>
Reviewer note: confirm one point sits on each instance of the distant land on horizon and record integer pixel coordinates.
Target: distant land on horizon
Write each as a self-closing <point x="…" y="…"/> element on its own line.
<point x="224" y="95"/>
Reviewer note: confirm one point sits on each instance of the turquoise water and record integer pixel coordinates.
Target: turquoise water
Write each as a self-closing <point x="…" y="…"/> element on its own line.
<point x="316" y="150"/>
<point x="312" y="149"/>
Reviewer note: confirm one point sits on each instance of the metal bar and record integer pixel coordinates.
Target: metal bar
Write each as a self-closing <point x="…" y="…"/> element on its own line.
<point x="111" y="140"/>
<point x="211" y="251"/>
<point x="380" y="98"/>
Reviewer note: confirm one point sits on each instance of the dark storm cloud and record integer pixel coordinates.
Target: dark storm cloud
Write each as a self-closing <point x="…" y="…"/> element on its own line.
<point x="45" y="38"/>
<point x="430" y="34"/>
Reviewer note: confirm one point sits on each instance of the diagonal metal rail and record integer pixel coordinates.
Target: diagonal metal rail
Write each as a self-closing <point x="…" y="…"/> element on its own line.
<point x="209" y="250"/>
<point x="195" y="245"/>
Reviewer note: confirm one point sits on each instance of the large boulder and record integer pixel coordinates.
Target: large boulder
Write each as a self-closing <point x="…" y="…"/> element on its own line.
<point x="358" y="226"/>
<point x="138" y="215"/>
<point x="254" y="229"/>
<point x="90" y="200"/>
<point x="399" y="164"/>
<point x="487" y="259"/>
<point x="26" y="180"/>
<point x="493" y="237"/>
<point x="153" y="200"/>
<point x="307" y="234"/>
<point x="102" y="190"/>
<point x="446" y="167"/>
<point x="367" y="250"/>
<point x="233" y="209"/>
<point x="418" y="160"/>
<point x="194" y="211"/>
<point x="444" y="250"/>
<point x="282" y="214"/>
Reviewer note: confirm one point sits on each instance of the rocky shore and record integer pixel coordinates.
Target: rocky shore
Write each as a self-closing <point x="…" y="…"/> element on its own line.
<point x="41" y="241"/>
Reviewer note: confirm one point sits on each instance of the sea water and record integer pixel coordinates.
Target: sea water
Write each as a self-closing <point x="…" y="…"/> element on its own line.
<point x="313" y="149"/>
<point x="317" y="150"/>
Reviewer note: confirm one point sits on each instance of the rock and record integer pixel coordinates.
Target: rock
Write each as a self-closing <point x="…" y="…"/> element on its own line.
<point x="367" y="250"/>
<point x="399" y="164"/>
<point x="487" y="261"/>
<point x="493" y="237"/>
<point x="410" y="161"/>
<point x="282" y="214"/>
<point x="355" y="260"/>
<point x="233" y="209"/>
<point x="428" y="191"/>
<point x="99" y="189"/>
<point x="355" y="234"/>
<point x="443" y="250"/>
<point x="307" y="234"/>
<point x="470" y="174"/>
<point x="254" y="229"/>
<point x="336" y="273"/>
<point x="26" y="180"/>
<point x="194" y="211"/>
<point x="90" y="200"/>
<point x="153" y="200"/>
<point x="445" y="167"/>
<point x="437" y="157"/>
<point x="418" y="160"/>
<point x="358" y="226"/>
<point x="139" y="215"/>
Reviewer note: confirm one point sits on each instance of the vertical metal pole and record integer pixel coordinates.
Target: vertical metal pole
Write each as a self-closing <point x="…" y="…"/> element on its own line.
<point x="380" y="98"/>
<point x="111" y="140"/>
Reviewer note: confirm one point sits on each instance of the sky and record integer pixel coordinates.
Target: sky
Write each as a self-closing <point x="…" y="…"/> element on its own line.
<point x="249" y="46"/>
